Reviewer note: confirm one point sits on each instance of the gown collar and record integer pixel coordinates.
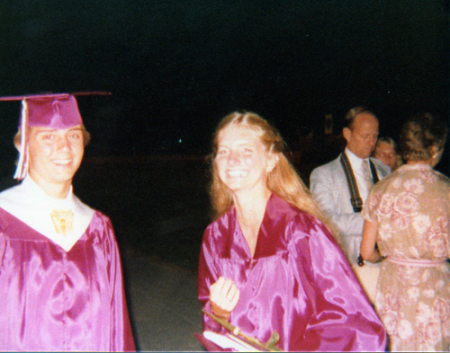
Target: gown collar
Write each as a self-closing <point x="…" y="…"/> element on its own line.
<point x="271" y="232"/>
<point x="63" y="221"/>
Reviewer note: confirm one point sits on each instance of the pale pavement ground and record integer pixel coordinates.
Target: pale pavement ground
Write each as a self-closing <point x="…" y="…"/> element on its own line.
<point x="163" y="304"/>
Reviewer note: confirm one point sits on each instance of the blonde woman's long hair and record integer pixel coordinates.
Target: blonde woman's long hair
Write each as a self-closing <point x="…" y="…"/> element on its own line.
<point x="283" y="180"/>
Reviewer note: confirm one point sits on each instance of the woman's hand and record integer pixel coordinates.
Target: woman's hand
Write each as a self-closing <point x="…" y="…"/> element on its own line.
<point x="224" y="296"/>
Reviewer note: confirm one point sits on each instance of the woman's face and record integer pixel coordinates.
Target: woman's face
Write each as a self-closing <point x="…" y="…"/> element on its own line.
<point x="242" y="159"/>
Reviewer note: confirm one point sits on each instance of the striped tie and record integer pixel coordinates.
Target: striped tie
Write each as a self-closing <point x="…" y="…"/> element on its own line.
<point x="367" y="174"/>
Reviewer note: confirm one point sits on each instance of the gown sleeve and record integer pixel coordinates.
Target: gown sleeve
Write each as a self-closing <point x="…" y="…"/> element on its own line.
<point x="121" y="333"/>
<point x="343" y="318"/>
<point x="208" y="275"/>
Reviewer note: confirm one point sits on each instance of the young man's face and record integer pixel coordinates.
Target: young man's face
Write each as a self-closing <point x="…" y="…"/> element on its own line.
<point x="55" y="155"/>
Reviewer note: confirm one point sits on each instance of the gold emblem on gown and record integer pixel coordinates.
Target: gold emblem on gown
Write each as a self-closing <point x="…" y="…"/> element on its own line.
<point x="62" y="220"/>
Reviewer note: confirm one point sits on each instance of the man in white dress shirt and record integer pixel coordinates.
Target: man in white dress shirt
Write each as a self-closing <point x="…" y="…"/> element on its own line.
<point x="332" y="183"/>
<point x="342" y="186"/>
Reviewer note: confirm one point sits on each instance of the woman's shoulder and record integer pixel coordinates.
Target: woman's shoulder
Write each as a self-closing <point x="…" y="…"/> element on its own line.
<point x="224" y="222"/>
<point x="445" y="180"/>
<point x="281" y="211"/>
<point x="420" y="172"/>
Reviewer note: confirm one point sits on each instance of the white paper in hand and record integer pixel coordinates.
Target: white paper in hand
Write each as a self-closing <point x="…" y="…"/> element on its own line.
<point x="229" y="342"/>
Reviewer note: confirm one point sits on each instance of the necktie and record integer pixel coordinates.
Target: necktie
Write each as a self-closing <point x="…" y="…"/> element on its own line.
<point x="367" y="174"/>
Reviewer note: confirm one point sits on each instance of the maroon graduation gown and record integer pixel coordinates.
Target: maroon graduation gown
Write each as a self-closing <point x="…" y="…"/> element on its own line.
<point x="53" y="300"/>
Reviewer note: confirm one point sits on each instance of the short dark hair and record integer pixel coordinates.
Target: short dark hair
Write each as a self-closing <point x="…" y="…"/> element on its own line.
<point x="419" y="134"/>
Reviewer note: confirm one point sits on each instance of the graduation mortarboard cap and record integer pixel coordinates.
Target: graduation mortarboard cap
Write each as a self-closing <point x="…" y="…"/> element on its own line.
<point x="52" y="110"/>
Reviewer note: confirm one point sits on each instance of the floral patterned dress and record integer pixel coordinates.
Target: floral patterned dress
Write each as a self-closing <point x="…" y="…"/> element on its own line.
<point x="412" y="210"/>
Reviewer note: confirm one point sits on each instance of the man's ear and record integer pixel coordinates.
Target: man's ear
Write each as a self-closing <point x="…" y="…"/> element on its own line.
<point x="347" y="133"/>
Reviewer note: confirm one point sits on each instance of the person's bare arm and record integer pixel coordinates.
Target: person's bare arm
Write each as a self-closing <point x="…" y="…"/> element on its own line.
<point x="369" y="251"/>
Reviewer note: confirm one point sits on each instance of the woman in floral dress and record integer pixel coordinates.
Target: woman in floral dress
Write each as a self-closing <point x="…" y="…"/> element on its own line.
<point x="407" y="215"/>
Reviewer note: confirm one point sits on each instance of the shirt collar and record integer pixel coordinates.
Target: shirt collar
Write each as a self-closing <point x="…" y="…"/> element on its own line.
<point x="355" y="161"/>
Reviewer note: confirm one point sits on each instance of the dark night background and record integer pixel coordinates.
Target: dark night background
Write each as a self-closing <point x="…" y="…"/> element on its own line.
<point x="176" y="67"/>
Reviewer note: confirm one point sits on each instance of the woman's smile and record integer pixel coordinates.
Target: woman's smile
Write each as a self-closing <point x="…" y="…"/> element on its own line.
<point x="237" y="173"/>
<point x="242" y="159"/>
